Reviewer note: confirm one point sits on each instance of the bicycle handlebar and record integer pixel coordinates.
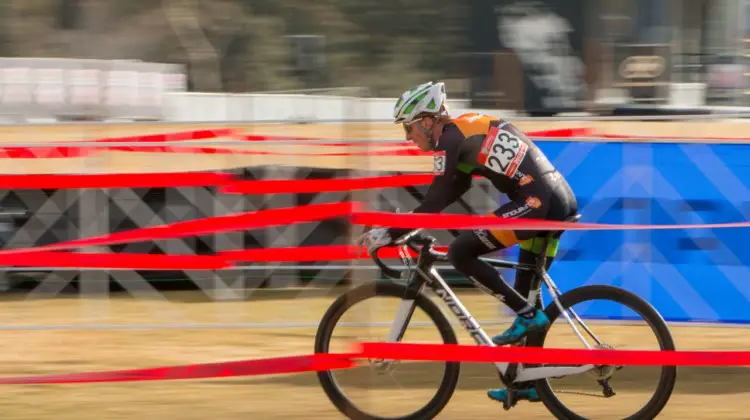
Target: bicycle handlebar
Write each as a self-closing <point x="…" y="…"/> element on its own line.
<point x="411" y="241"/>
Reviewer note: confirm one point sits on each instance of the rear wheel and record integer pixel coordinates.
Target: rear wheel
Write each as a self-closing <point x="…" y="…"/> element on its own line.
<point x="636" y="323"/>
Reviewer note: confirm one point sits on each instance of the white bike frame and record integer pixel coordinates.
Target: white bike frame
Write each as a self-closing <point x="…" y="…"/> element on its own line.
<point x="427" y="275"/>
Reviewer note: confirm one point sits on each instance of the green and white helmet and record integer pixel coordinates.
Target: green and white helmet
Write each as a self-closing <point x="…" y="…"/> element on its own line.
<point x="425" y="98"/>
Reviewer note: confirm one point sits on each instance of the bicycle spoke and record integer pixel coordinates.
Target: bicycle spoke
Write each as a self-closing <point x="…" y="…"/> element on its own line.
<point x="637" y="391"/>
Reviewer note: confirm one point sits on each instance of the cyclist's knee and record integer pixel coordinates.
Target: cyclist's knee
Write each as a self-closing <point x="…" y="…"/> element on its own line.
<point x="463" y="250"/>
<point x="459" y="255"/>
<point x="467" y="248"/>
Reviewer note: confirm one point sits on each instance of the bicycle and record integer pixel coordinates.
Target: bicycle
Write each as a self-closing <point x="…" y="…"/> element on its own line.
<point x="514" y="376"/>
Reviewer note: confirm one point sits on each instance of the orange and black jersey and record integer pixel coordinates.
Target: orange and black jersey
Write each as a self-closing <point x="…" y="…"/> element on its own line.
<point x="474" y="144"/>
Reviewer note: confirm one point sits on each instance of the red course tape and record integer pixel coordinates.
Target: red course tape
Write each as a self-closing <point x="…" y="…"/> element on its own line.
<point x="317" y="212"/>
<point x="78" y="151"/>
<point x="312" y="253"/>
<point x="537" y="355"/>
<point x="399" y="351"/>
<point x="121" y="261"/>
<point x="282" y="186"/>
<point x="43" y="152"/>
<point x="273" y="366"/>
<point x="206" y="226"/>
<point x="457" y="221"/>
<point x="149" y="180"/>
<point x="300" y="186"/>
<point x="178" y="136"/>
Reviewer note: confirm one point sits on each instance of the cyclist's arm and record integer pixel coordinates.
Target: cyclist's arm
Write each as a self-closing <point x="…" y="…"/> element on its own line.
<point x="449" y="183"/>
<point x="461" y="184"/>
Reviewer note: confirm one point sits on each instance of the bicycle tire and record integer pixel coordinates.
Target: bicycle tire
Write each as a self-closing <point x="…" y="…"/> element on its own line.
<point x="668" y="375"/>
<point x="359" y="294"/>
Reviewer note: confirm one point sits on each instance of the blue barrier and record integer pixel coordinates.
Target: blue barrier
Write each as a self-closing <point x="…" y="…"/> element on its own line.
<point x="688" y="275"/>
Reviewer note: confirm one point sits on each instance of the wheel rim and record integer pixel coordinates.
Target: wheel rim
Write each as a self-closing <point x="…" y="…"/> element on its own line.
<point x="415" y="394"/>
<point x="639" y="390"/>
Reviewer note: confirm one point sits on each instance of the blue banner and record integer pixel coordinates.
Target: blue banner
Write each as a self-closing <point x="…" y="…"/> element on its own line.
<point x="687" y="274"/>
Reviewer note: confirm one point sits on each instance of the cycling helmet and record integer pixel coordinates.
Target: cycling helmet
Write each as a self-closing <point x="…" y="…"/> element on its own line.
<point x="427" y="98"/>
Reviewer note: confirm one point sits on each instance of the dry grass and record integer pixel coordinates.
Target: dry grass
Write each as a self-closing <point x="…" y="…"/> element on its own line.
<point x="701" y="393"/>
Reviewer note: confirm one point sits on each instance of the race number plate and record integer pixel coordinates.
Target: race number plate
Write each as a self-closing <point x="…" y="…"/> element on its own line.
<point x="438" y="164"/>
<point x="502" y="152"/>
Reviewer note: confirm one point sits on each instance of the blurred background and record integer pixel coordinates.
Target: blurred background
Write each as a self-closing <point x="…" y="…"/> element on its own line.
<point x="540" y="56"/>
<point x="204" y="65"/>
<point x="237" y="64"/>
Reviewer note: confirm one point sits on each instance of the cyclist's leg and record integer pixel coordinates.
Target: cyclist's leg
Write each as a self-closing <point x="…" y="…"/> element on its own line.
<point x="562" y="204"/>
<point x="530" y="318"/>
<point x="520" y="327"/>
<point x="529" y="250"/>
<point x="559" y="203"/>
<point x="464" y="253"/>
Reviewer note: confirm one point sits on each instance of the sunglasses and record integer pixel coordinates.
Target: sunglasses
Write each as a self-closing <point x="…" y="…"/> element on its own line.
<point x="408" y="126"/>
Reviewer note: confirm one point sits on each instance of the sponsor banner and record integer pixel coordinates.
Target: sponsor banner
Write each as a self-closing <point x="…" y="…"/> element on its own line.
<point x="644" y="71"/>
<point x="688" y="275"/>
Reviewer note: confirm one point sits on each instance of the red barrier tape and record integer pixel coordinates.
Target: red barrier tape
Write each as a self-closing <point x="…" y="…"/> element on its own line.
<point x="121" y="261"/>
<point x="43" y="152"/>
<point x="318" y="212"/>
<point x="296" y="254"/>
<point x="455" y="221"/>
<point x="562" y="132"/>
<point x="149" y="180"/>
<point x="206" y="226"/>
<point x="227" y="150"/>
<point x="537" y="355"/>
<point x="252" y="137"/>
<point x="299" y="186"/>
<point x="178" y="136"/>
<point x="273" y="366"/>
<point x="312" y="253"/>
<point x="223" y="260"/>
<point x="80" y="151"/>
<point x="399" y="351"/>
<point x="343" y="143"/>
<point x="282" y="186"/>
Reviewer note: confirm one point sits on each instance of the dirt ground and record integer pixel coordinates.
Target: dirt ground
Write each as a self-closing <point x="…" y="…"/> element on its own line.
<point x="700" y="392"/>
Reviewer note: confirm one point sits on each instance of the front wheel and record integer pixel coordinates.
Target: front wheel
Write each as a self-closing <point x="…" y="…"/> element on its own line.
<point x="621" y="392"/>
<point x="413" y="385"/>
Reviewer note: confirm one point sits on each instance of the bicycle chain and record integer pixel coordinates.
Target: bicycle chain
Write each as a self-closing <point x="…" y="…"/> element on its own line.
<point x="588" y="394"/>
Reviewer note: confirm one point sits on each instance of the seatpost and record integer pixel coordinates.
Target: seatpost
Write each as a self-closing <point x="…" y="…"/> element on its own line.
<point x="536" y="280"/>
<point x="541" y="259"/>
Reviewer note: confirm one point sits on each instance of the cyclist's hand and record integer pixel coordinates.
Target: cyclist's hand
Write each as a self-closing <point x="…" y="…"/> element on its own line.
<point x="376" y="238"/>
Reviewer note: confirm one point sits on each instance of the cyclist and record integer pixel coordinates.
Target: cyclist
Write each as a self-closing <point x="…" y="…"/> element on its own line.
<point x="474" y="144"/>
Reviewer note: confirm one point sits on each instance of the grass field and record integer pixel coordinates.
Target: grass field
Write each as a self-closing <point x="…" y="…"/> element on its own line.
<point x="700" y="392"/>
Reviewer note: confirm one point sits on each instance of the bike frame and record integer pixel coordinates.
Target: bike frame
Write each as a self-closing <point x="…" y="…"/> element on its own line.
<point x="426" y="275"/>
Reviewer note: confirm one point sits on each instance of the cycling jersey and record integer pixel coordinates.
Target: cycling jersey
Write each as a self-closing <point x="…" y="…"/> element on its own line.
<point x="475" y="144"/>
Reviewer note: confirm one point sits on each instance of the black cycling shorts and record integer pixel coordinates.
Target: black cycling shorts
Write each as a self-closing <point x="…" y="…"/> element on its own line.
<point x="552" y="199"/>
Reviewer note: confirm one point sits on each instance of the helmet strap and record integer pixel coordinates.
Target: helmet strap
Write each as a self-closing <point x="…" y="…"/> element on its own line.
<point x="428" y="133"/>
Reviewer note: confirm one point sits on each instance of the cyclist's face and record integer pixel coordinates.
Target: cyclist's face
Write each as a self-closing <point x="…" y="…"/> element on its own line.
<point x="415" y="132"/>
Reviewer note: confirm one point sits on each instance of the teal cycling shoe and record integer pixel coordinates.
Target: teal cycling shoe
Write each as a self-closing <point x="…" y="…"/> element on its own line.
<point x="528" y="394"/>
<point x="521" y="327"/>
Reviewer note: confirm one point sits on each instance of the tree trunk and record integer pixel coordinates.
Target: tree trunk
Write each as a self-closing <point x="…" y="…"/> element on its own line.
<point x="204" y="61"/>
